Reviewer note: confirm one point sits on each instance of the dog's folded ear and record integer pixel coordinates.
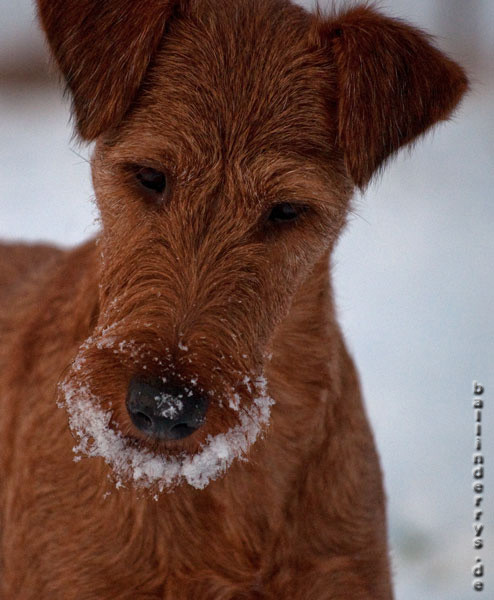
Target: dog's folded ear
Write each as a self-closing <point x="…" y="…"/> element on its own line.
<point x="103" y="48"/>
<point x="392" y="86"/>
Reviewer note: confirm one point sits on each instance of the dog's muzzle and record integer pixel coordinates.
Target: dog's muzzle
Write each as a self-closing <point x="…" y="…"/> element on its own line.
<point x="163" y="411"/>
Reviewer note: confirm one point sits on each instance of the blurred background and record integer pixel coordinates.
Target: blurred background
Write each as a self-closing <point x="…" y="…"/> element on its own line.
<point x="413" y="275"/>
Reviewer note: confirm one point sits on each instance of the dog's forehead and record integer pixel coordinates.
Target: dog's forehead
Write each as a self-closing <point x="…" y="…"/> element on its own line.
<point x="242" y="79"/>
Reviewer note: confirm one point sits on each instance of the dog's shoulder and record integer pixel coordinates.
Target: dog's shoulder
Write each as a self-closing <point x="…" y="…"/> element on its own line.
<point x="19" y="262"/>
<point x="26" y="271"/>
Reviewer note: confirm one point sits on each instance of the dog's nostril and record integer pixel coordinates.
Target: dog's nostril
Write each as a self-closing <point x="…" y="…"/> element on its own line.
<point x="182" y="430"/>
<point x="163" y="411"/>
<point x="142" y="420"/>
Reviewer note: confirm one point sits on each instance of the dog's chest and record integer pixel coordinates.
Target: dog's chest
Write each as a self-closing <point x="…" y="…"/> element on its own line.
<point x="213" y="543"/>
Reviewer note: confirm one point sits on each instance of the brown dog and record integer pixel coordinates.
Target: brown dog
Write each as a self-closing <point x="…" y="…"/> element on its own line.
<point x="229" y="137"/>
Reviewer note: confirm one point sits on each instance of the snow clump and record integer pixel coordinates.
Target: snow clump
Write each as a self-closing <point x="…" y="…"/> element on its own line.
<point x="96" y="438"/>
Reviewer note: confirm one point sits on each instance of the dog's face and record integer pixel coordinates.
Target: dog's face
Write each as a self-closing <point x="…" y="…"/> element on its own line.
<point x="225" y="158"/>
<point x="220" y="189"/>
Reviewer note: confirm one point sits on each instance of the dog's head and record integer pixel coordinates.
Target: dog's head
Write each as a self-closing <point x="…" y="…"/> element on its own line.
<point x="229" y="137"/>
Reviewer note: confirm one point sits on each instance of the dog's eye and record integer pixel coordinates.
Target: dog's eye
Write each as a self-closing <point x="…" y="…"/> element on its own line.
<point x="151" y="179"/>
<point x="285" y="212"/>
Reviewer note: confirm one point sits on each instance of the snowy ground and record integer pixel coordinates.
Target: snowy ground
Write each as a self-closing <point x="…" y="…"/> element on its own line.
<point x="413" y="276"/>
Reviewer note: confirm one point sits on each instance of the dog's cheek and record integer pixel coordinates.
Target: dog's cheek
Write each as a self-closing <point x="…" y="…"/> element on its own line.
<point x="112" y="194"/>
<point x="98" y="374"/>
<point x="291" y="264"/>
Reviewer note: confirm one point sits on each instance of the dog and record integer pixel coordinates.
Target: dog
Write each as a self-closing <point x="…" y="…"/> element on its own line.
<point x="180" y="418"/>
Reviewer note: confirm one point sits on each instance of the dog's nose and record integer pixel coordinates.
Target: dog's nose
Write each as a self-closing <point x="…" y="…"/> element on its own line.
<point x="165" y="412"/>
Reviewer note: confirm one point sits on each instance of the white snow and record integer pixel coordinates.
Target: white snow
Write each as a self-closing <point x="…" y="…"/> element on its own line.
<point x="143" y="468"/>
<point x="170" y="405"/>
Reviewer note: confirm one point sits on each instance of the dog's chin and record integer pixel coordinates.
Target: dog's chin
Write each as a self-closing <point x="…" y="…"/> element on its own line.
<point x="138" y="461"/>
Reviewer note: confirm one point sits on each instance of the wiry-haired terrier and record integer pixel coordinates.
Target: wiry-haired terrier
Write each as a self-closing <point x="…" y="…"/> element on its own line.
<point x="191" y="350"/>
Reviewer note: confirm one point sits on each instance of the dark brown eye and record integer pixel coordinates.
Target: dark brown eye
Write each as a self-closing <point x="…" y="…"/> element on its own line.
<point x="285" y="212"/>
<point x="151" y="179"/>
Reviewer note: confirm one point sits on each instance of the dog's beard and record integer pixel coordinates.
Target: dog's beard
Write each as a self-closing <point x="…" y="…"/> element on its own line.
<point x="142" y="467"/>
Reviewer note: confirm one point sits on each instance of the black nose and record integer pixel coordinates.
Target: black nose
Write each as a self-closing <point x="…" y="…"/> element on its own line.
<point x="165" y="412"/>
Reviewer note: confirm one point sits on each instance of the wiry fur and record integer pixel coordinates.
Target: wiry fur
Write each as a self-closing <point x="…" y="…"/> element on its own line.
<point x="243" y="104"/>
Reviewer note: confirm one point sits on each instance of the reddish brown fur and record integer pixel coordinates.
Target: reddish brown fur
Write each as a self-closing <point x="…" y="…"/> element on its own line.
<point x="244" y="104"/>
